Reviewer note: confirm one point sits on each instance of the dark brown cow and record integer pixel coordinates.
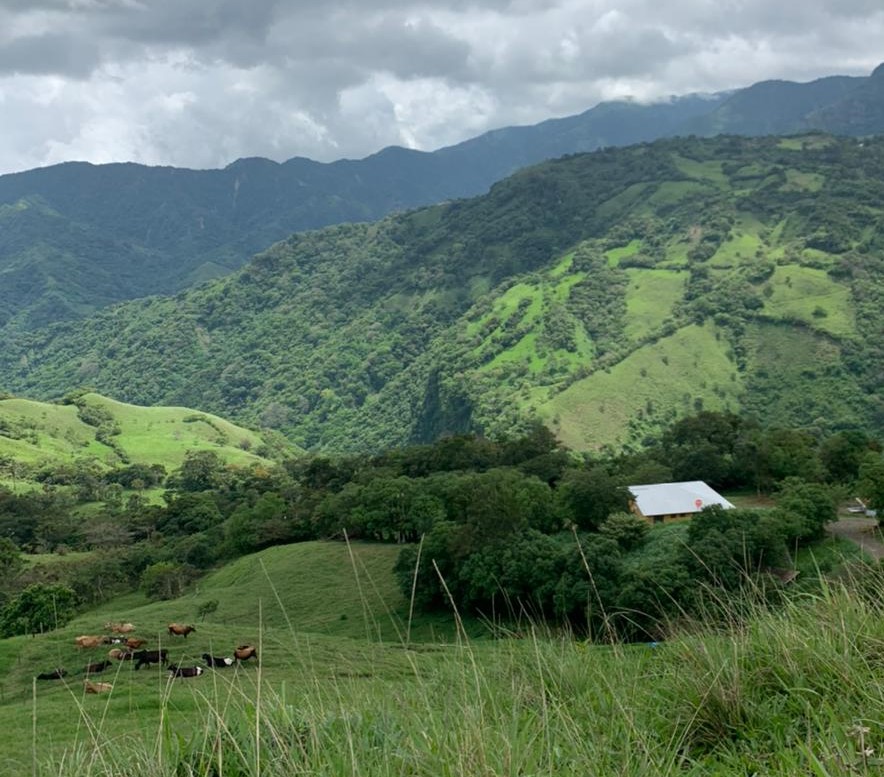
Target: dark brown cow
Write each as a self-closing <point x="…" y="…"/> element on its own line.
<point x="55" y="674"/>
<point x="97" y="667"/>
<point x="148" y="657"/>
<point x="217" y="661"/>
<point x="186" y="671"/>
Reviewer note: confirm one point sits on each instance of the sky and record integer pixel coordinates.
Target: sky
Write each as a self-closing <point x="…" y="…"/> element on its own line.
<point x="200" y="83"/>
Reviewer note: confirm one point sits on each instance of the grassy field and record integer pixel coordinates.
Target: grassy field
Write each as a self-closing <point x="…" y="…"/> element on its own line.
<point x="811" y="296"/>
<point x="650" y="298"/>
<point x="41" y="432"/>
<point x="652" y="384"/>
<point x="795" y="692"/>
<point x="324" y="611"/>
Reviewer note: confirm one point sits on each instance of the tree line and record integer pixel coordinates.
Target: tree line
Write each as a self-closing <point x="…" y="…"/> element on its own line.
<point x="499" y="527"/>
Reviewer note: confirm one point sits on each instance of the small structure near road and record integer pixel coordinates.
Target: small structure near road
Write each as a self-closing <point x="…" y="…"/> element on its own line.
<point x="667" y="502"/>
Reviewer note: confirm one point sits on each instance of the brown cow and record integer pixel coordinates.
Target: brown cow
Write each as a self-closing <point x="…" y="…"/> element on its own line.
<point x="134" y="643"/>
<point x="91" y="687"/>
<point x="245" y="652"/>
<point x="120" y="628"/>
<point x="120" y="655"/>
<point x="180" y="630"/>
<point x="86" y="641"/>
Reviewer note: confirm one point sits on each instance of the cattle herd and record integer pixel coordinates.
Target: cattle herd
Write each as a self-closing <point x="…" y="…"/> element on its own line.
<point x="128" y="648"/>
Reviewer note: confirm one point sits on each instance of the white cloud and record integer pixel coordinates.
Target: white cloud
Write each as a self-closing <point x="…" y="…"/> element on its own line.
<point x="202" y="82"/>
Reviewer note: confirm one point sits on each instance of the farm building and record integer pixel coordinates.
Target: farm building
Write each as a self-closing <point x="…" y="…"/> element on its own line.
<point x="665" y="502"/>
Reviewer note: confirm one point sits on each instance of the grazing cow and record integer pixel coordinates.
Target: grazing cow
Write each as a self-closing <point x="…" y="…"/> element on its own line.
<point x="86" y="641"/>
<point x="95" y="668"/>
<point x="91" y="687"/>
<point x="148" y="657"/>
<point x="55" y="674"/>
<point x="245" y="652"/>
<point x="216" y="661"/>
<point x="133" y="643"/>
<point x="120" y="655"/>
<point x="180" y="630"/>
<point x="186" y="671"/>
<point x="120" y="628"/>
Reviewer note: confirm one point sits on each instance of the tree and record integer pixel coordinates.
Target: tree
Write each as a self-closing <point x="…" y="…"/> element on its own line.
<point x="201" y="471"/>
<point x="871" y="484"/>
<point x="165" y="579"/>
<point x="813" y="503"/>
<point x="726" y="546"/>
<point x="701" y="447"/>
<point x="40" y="607"/>
<point x="10" y="565"/>
<point x="626" y="529"/>
<point x="843" y="453"/>
<point x="589" y="496"/>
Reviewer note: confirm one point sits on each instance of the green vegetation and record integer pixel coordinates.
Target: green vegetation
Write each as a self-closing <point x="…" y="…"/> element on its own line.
<point x="516" y="538"/>
<point x="619" y="407"/>
<point x="479" y="315"/>
<point x="783" y="692"/>
<point x="810" y="295"/>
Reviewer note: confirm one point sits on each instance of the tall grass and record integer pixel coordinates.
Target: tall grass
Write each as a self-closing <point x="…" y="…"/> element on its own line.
<point x="796" y="691"/>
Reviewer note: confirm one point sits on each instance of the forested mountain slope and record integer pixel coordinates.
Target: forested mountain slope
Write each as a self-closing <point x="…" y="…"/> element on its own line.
<point x="606" y="293"/>
<point x="77" y="237"/>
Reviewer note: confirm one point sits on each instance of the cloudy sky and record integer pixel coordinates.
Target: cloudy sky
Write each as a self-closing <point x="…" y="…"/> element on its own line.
<point x="199" y="83"/>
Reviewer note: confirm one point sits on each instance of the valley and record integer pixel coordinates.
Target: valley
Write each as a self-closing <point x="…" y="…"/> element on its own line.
<point x="359" y="445"/>
<point x="578" y="287"/>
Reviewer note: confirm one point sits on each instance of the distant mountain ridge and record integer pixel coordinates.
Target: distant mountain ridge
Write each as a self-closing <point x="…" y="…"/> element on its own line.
<point x="76" y="237"/>
<point x="605" y="293"/>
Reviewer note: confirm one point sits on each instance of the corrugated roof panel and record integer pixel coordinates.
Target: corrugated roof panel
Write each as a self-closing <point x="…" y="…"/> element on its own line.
<point x="676" y="498"/>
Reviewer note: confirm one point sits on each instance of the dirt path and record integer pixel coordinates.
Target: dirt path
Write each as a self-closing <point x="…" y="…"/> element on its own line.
<point x="863" y="531"/>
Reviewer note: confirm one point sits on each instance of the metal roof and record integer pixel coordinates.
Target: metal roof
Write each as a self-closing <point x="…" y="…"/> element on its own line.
<point x="676" y="498"/>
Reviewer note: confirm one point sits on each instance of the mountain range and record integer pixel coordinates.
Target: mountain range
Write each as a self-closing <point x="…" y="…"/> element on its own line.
<point x="77" y="237"/>
<point x="604" y="293"/>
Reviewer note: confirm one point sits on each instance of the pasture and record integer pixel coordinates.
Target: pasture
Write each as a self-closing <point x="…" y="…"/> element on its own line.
<point x="679" y="374"/>
<point x="780" y="694"/>
<point x="53" y="434"/>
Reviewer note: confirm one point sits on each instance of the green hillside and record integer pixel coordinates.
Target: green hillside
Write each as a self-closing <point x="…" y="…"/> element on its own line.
<point x="76" y="237"/>
<point x="607" y="293"/>
<point x="319" y="611"/>
<point x="114" y="433"/>
<point x="785" y="692"/>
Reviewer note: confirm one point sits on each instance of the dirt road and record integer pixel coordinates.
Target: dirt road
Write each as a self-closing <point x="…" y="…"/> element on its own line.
<point x="863" y="531"/>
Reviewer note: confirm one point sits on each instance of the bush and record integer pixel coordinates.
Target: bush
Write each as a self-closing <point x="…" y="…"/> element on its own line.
<point x="38" y="608"/>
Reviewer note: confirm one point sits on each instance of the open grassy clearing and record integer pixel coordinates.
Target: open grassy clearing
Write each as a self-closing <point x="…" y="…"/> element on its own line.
<point x="42" y="433"/>
<point x="622" y="252"/>
<point x="163" y="435"/>
<point x="654" y="383"/>
<point x="710" y="170"/>
<point x="527" y="350"/>
<point x="811" y="296"/>
<point x="742" y="244"/>
<point x="797" y="180"/>
<point x="651" y="297"/>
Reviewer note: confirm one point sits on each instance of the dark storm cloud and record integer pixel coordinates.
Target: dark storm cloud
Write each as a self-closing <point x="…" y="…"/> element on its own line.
<point x="201" y="82"/>
<point x="50" y="53"/>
